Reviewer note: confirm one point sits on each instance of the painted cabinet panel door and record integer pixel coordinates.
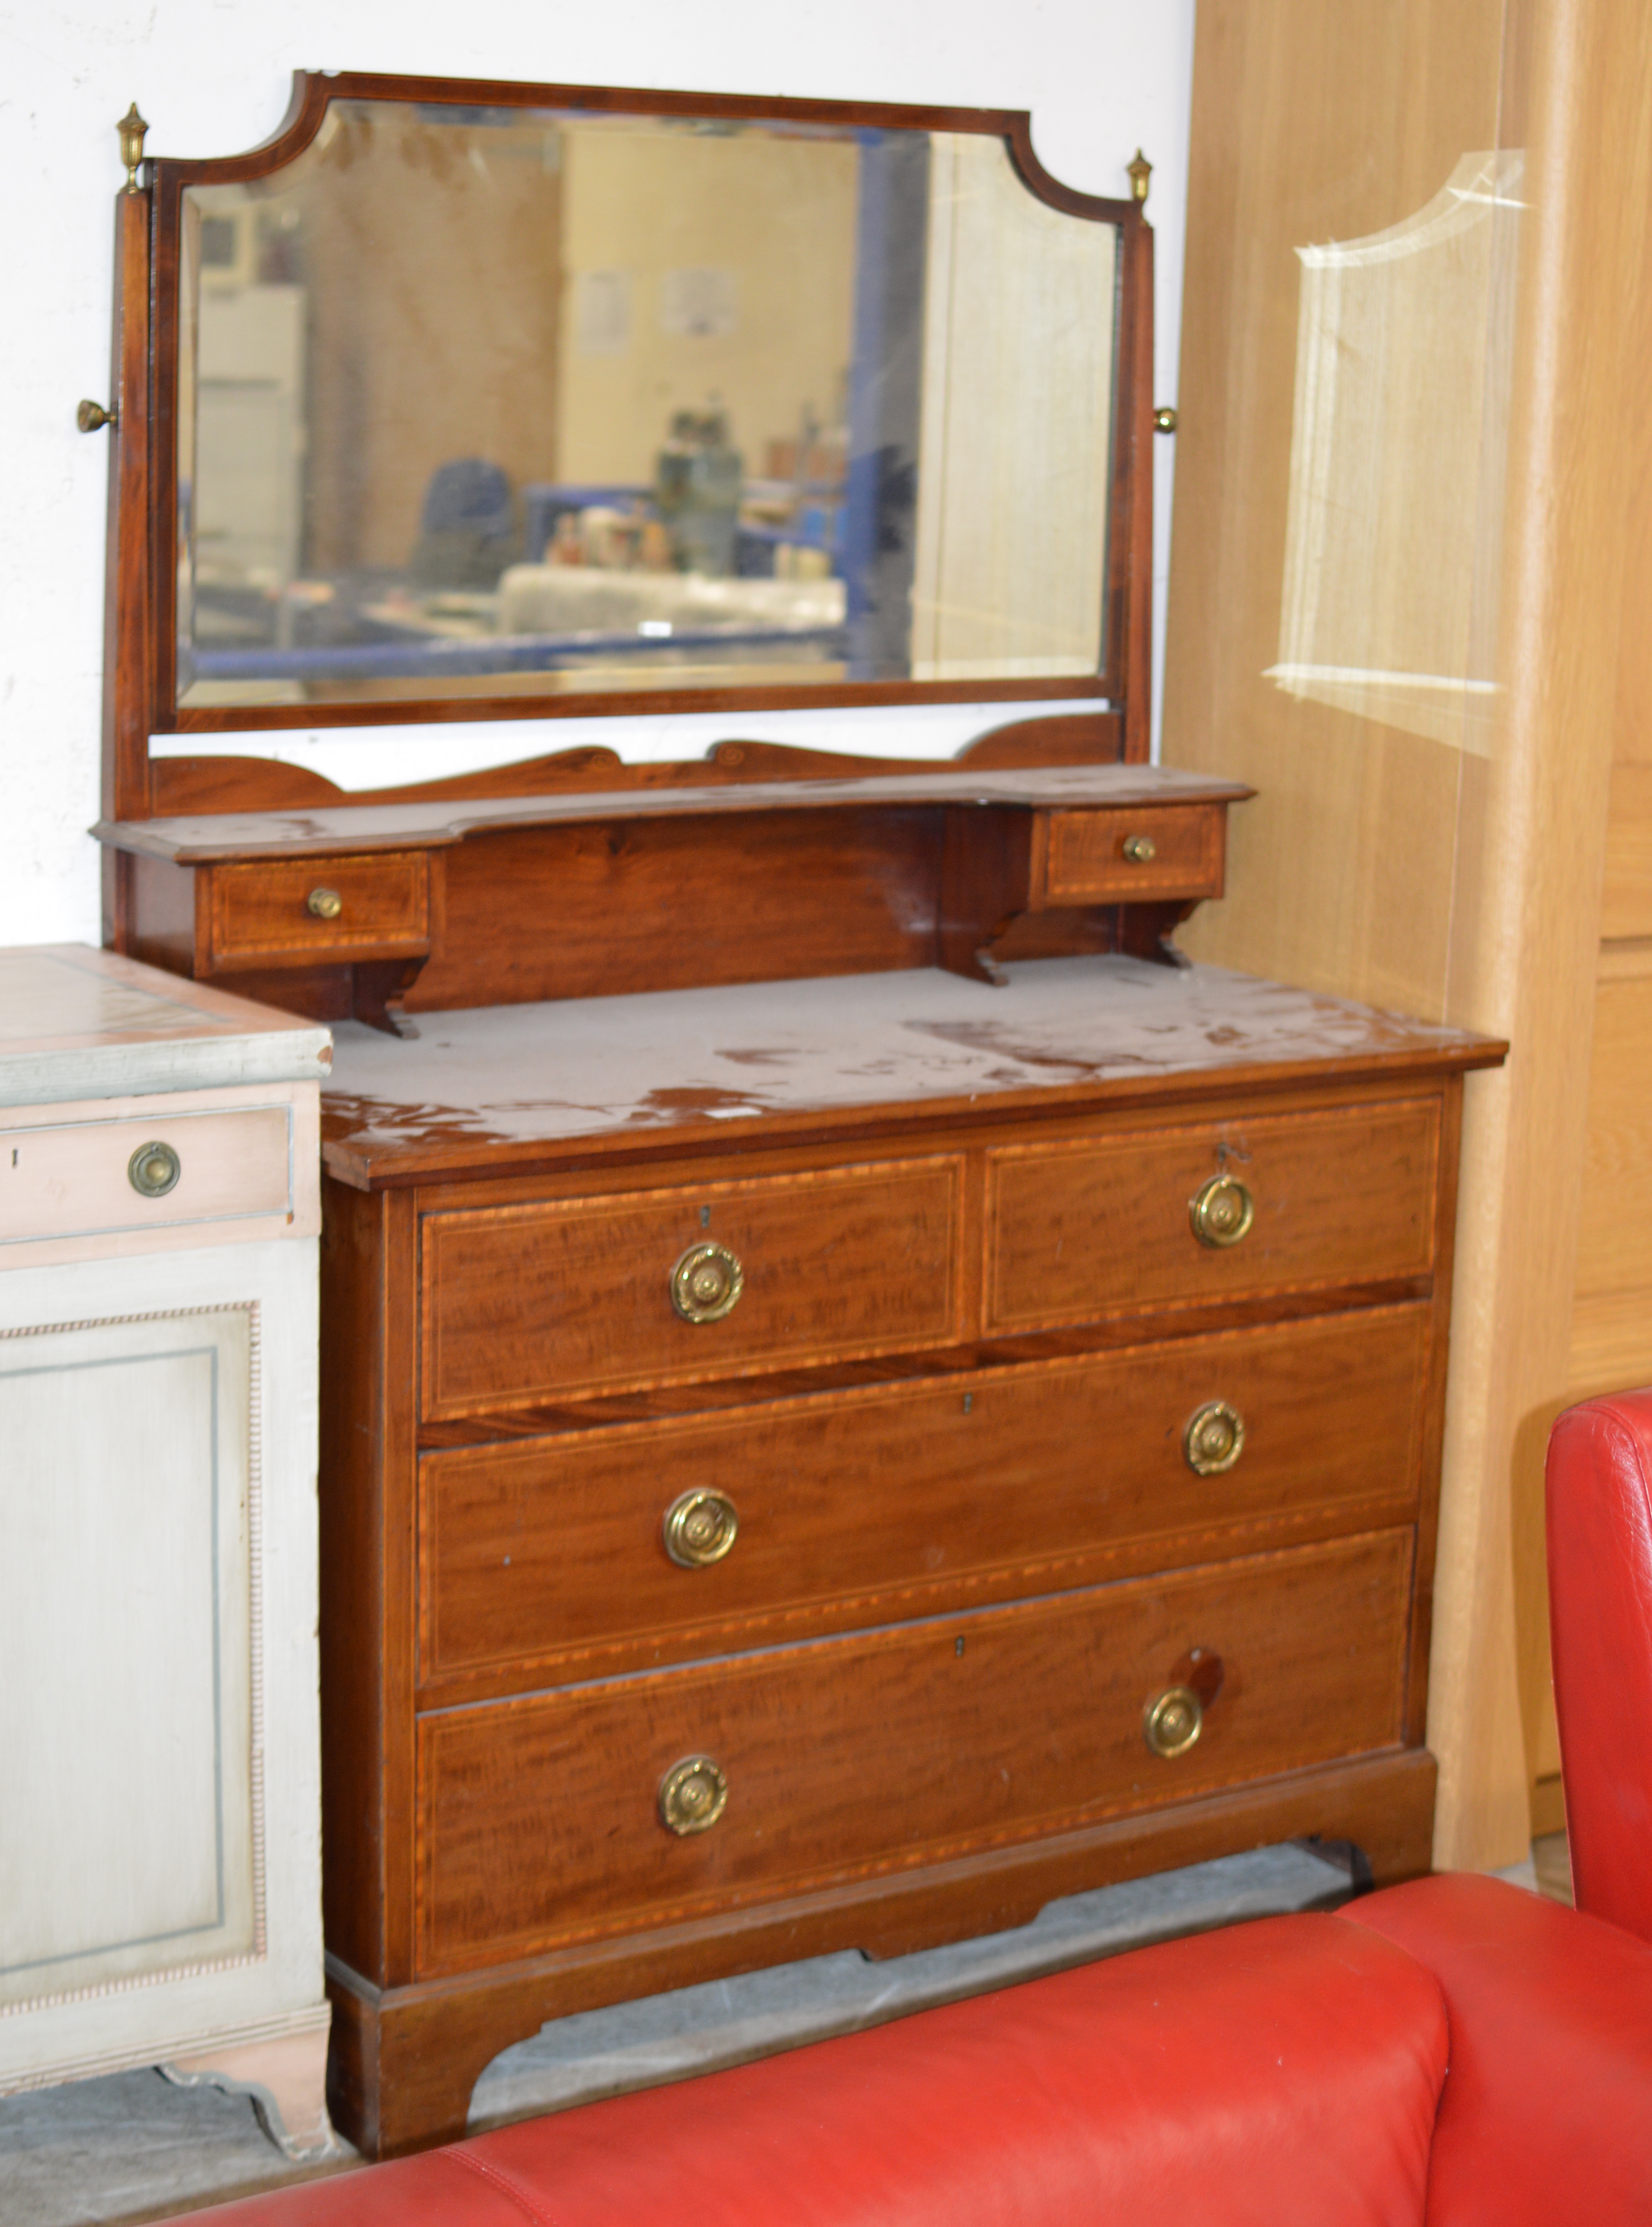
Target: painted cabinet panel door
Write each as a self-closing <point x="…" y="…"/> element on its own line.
<point x="127" y="1734"/>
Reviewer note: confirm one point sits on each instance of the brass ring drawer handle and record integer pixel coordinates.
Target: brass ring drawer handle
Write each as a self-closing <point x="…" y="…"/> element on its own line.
<point x="1222" y="1211"/>
<point x="326" y="904"/>
<point x="1172" y="1721"/>
<point x="700" y="1527"/>
<point x="1214" y="1439"/>
<point x="1139" y="850"/>
<point x="693" y="1795"/>
<point x="153" y="1169"/>
<point x="706" y="1282"/>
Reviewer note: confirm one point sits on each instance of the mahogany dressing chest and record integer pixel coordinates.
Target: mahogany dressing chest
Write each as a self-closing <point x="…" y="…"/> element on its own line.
<point x="859" y="1393"/>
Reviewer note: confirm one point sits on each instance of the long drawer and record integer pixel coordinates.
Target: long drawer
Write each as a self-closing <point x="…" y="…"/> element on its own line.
<point x="657" y="1287"/>
<point x="715" y="1532"/>
<point x="1229" y="1207"/>
<point x="158" y="1169"/>
<point x="542" y="1820"/>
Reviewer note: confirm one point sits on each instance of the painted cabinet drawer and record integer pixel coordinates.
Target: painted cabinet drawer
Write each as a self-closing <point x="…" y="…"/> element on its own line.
<point x="153" y="1170"/>
<point x="654" y="1542"/>
<point x="292" y="911"/>
<point x="541" y="1818"/>
<point x="1229" y="1208"/>
<point x="657" y="1287"/>
<point x="1154" y="850"/>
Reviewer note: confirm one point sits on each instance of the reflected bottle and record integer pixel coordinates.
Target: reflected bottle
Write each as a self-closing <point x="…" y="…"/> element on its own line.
<point x="698" y="476"/>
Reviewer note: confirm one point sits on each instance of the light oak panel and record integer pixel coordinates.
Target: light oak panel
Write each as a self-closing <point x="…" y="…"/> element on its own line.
<point x="1392" y="865"/>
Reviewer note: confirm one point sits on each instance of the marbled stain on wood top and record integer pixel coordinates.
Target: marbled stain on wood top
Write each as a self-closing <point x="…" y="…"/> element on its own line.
<point x="480" y="1086"/>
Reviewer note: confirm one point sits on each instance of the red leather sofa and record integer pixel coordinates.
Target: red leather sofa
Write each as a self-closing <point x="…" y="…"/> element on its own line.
<point x="1452" y="2053"/>
<point x="1600" y="1616"/>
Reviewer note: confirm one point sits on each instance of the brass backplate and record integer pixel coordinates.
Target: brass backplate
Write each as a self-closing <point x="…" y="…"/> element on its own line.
<point x="706" y="1283"/>
<point x="700" y="1527"/>
<point x="1222" y="1211"/>
<point x="693" y="1795"/>
<point x="1172" y="1721"/>
<point x="1214" y="1439"/>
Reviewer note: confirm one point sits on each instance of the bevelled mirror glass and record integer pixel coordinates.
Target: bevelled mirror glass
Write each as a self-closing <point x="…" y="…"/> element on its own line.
<point x="519" y="401"/>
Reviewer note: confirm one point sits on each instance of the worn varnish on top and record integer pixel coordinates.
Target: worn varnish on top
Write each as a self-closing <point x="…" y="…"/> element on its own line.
<point x="479" y="1087"/>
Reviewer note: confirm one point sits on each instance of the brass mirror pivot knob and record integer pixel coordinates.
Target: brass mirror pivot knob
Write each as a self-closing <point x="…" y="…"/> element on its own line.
<point x="700" y="1527"/>
<point x="325" y="904"/>
<point x="91" y="417"/>
<point x="1140" y="849"/>
<point x="1222" y="1211"/>
<point x="153" y="1169"/>
<point x="693" y="1795"/>
<point x="1172" y="1721"/>
<point x="706" y="1283"/>
<point x="1213" y="1439"/>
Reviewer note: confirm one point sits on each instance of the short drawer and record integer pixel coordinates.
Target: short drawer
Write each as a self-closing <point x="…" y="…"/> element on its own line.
<point x="152" y="1170"/>
<point x="716" y="1532"/>
<point x="293" y="911"/>
<point x="541" y="1819"/>
<point x="1113" y="857"/>
<point x="656" y="1287"/>
<point x="1222" y="1209"/>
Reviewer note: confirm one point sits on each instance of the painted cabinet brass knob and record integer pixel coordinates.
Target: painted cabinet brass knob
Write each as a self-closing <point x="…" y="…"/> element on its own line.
<point x="326" y="904"/>
<point x="700" y="1527"/>
<point x="153" y="1169"/>
<point x="692" y="1795"/>
<point x="1140" y="849"/>
<point x="1215" y="1438"/>
<point x="1222" y="1211"/>
<point x="1172" y="1721"/>
<point x="705" y="1283"/>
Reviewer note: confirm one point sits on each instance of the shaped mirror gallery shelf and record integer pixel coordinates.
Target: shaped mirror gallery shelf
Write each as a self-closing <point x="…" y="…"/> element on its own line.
<point x="618" y="400"/>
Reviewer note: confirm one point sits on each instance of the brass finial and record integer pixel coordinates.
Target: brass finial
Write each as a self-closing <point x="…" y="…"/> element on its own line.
<point x="132" y="130"/>
<point x="1140" y="170"/>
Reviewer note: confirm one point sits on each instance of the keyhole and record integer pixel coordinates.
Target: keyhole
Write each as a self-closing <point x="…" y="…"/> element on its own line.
<point x="958" y="1647"/>
<point x="705" y="1218"/>
<point x="969" y="1401"/>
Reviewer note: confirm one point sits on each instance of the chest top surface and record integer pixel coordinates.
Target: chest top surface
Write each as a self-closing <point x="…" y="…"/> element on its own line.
<point x="76" y="1023"/>
<point x="486" y="1087"/>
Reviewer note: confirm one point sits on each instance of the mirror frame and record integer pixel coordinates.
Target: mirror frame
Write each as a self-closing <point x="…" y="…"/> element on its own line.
<point x="139" y="664"/>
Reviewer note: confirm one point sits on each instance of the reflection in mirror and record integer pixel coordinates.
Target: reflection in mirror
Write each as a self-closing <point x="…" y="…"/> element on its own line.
<point x="1405" y="351"/>
<point x="490" y="401"/>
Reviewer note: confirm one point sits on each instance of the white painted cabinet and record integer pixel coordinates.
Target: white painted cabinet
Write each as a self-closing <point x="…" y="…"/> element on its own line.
<point x="159" y="1802"/>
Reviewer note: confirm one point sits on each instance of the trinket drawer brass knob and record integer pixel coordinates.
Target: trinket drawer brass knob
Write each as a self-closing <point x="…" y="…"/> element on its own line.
<point x="1213" y="1439"/>
<point x="692" y="1795"/>
<point x="326" y="904"/>
<point x="153" y="1169"/>
<point x="700" y="1527"/>
<point x="1222" y="1211"/>
<point x="705" y="1283"/>
<point x="1140" y="849"/>
<point x="1172" y="1721"/>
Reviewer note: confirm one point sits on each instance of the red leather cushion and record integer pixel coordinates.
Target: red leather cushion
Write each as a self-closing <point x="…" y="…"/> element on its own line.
<point x="1547" y="2116"/>
<point x="1600" y="1612"/>
<point x="1283" y="2074"/>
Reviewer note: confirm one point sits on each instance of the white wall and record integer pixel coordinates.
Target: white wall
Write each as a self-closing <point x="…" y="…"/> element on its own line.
<point x="212" y="77"/>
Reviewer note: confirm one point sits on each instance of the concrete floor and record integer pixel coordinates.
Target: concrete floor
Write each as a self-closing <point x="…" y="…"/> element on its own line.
<point x="132" y="2146"/>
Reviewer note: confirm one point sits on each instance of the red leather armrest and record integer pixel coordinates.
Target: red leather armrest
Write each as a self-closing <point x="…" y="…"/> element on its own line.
<point x="1284" y="2074"/>
<point x="1600" y="1614"/>
<point x="1546" y="2114"/>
